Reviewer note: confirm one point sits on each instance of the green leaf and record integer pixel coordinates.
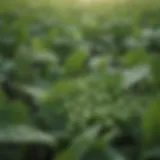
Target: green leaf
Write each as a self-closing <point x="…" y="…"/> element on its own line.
<point x="151" y="124"/>
<point x="13" y="113"/>
<point x="75" y="62"/>
<point x="80" y="145"/>
<point x="134" y="57"/>
<point x="155" y="67"/>
<point x="62" y="89"/>
<point x="13" y="134"/>
<point x="45" y="57"/>
<point x="153" y="153"/>
<point x="135" y="75"/>
<point x="112" y="154"/>
<point x="37" y="44"/>
<point x="37" y="92"/>
<point x="99" y="63"/>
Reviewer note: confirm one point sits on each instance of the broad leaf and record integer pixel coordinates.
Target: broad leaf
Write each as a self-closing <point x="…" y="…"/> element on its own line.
<point x="135" y="75"/>
<point x="24" y="135"/>
<point x="80" y="145"/>
<point x="151" y="125"/>
<point x="75" y="62"/>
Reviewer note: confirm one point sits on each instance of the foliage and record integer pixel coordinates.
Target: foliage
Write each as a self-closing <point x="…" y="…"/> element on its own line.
<point x="82" y="87"/>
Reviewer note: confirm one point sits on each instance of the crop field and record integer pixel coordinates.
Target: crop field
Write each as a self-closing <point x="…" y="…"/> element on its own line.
<point x="79" y="82"/>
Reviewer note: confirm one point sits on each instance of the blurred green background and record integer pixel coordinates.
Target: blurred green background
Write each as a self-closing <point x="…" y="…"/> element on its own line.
<point x="79" y="83"/>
